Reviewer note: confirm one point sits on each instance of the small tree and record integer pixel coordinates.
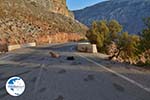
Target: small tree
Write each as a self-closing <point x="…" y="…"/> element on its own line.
<point x="114" y="28"/>
<point x="128" y="47"/>
<point x="145" y="43"/>
<point x="102" y="33"/>
<point x="92" y="33"/>
<point x="98" y="34"/>
<point x="145" y="36"/>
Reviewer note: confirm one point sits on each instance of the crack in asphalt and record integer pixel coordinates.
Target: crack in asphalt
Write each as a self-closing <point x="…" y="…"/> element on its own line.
<point x="38" y="78"/>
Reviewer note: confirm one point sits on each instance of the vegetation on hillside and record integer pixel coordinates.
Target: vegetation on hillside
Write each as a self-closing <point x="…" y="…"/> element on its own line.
<point x="145" y="43"/>
<point x="121" y="46"/>
<point x="103" y="33"/>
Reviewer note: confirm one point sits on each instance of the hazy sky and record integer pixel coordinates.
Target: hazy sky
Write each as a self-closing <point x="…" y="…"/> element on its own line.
<point x="79" y="4"/>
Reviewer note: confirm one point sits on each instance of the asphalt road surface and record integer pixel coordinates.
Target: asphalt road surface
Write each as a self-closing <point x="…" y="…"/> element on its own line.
<point x="87" y="77"/>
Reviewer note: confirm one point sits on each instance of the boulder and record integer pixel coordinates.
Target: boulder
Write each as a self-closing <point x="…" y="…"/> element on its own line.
<point x="54" y="55"/>
<point x="3" y="47"/>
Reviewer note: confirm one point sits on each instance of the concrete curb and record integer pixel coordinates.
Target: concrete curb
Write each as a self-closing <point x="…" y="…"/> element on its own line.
<point x="14" y="47"/>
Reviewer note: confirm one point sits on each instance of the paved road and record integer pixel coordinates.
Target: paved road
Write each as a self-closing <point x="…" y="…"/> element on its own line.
<point x="88" y="77"/>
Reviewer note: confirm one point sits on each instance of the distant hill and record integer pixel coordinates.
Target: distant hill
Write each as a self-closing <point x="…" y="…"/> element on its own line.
<point x="129" y="13"/>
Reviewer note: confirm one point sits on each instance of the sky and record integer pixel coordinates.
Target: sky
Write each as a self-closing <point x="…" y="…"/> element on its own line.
<point x="79" y="4"/>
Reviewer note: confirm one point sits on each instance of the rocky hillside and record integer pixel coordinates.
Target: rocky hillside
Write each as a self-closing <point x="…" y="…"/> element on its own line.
<point x="128" y="12"/>
<point x="35" y="6"/>
<point x="23" y="21"/>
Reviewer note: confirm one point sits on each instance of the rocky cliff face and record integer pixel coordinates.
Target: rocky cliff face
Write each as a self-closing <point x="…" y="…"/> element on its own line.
<point x="57" y="6"/>
<point x="23" y="21"/>
<point x="129" y="13"/>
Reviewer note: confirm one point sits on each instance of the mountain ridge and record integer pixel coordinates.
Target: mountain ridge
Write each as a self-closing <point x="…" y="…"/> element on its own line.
<point x="129" y="13"/>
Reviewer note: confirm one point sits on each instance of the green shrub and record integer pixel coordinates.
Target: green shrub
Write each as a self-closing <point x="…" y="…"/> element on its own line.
<point x="102" y="33"/>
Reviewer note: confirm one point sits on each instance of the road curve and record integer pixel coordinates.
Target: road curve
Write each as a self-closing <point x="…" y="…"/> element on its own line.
<point x="87" y="77"/>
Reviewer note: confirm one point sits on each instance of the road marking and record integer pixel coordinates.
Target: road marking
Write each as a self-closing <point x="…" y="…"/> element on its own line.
<point x="118" y="74"/>
<point x="5" y="57"/>
<point x="38" y="78"/>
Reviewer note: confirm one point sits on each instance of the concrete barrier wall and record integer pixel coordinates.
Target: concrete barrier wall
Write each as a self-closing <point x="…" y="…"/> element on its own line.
<point x="14" y="47"/>
<point x="87" y="47"/>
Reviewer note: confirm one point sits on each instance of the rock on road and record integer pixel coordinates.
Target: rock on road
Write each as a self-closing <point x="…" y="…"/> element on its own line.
<point x="87" y="77"/>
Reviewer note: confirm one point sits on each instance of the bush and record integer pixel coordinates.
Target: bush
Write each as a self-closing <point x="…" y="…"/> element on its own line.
<point x="102" y="33"/>
<point x="124" y="47"/>
<point x="128" y="47"/>
<point x="145" y="44"/>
